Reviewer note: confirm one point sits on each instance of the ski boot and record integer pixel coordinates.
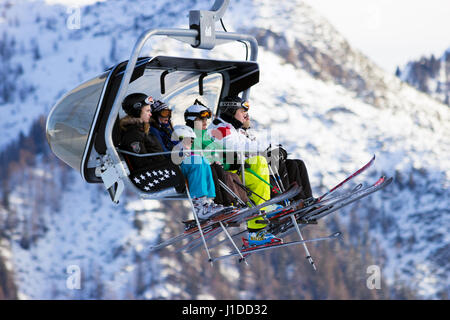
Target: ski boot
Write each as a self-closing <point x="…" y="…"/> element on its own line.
<point x="207" y="211"/>
<point x="259" y="238"/>
<point x="272" y="210"/>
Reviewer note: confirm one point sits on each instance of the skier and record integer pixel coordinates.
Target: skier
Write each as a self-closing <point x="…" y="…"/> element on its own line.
<point x="226" y="130"/>
<point x="196" y="117"/>
<point x="137" y="138"/>
<point x="161" y="125"/>
<point x="192" y="162"/>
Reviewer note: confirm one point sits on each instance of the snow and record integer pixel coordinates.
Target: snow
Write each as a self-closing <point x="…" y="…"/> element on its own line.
<point x="87" y="232"/>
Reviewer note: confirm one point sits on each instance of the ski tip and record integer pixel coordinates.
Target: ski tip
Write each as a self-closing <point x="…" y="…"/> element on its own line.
<point x="336" y="234"/>
<point x="243" y="260"/>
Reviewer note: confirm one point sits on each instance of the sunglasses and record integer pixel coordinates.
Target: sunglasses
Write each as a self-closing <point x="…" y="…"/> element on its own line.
<point x="165" y="113"/>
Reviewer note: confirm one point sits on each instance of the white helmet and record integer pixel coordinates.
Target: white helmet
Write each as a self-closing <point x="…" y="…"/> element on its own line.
<point x="197" y="110"/>
<point x="181" y="131"/>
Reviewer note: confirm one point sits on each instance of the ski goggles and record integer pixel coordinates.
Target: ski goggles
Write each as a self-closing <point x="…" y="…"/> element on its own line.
<point x="165" y="113"/>
<point x="205" y="114"/>
<point x="235" y="104"/>
<point x="147" y="101"/>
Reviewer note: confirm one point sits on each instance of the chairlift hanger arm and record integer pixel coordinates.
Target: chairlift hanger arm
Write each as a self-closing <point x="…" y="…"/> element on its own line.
<point x="204" y="22"/>
<point x="219" y="7"/>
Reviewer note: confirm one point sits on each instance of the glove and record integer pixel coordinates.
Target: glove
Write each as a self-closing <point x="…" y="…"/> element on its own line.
<point x="278" y="152"/>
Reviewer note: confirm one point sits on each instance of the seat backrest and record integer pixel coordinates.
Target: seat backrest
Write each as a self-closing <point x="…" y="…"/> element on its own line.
<point x="158" y="176"/>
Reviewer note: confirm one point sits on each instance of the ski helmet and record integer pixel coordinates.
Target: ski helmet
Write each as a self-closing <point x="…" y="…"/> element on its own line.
<point x="197" y="110"/>
<point x="181" y="131"/>
<point x="133" y="103"/>
<point x="230" y="104"/>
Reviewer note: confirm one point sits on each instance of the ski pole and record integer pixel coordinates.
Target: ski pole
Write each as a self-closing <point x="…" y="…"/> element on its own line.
<point x="199" y="226"/>
<point x="250" y="191"/>
<point x="234" y="195"/>
<point x="278" y="184"/>
<point x="308" y="255"/>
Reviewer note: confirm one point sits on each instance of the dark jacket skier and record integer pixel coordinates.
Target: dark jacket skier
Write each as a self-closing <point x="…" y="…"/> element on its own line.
<point x="136" y="137"/>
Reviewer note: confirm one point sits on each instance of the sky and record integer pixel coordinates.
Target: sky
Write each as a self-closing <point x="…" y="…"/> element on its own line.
<point x="391" y="32"/>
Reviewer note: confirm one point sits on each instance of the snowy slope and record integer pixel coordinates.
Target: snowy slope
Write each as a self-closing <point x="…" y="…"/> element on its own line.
<point x="328" y="103"/>
<point x="430" y="75"/>
<point x="84" y="231"/>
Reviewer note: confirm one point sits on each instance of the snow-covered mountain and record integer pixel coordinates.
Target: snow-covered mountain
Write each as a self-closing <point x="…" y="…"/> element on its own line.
<point x="430" y="75"/>
<point x="330" y="105"/>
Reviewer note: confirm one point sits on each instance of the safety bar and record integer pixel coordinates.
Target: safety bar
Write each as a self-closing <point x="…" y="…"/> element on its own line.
<point x="144" y="155"/>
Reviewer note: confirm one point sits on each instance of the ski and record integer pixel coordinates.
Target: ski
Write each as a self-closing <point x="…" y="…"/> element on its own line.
<point x="318" y="213"/>
<point x="380" y="184"/>
<point x="355" y="194"/>
<point x="350" y="177"/>
<point x="208" y="225"/>
<point x="247" y="212"/>
<point x="320" y="202"/>
<point x="248" y="250"/>
<point x="195" y="243"/>
<point x="238" y="216"/>
<point x="277" y="215"/>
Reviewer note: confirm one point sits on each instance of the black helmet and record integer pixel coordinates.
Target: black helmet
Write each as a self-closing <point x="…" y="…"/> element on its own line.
<point x="133" y="103"/>
<point x="230" y="104"/>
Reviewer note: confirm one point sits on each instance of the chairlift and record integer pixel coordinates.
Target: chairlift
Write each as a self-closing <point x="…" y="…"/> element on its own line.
<point x="82" y="128"/>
